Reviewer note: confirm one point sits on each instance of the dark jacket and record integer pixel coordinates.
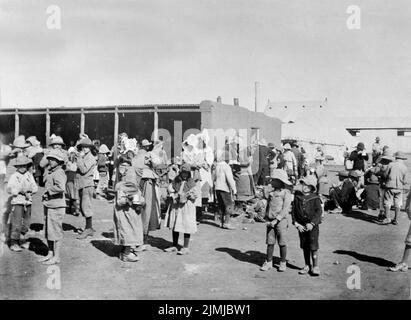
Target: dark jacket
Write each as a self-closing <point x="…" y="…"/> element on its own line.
<point x="306" y="208"/>
<point x="358" y="160"/>
<point x="371" y="195"/>
<point x="348" y="195"/>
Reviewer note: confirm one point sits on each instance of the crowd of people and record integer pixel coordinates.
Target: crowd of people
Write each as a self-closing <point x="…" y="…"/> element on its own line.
<point x="267" y="183"/>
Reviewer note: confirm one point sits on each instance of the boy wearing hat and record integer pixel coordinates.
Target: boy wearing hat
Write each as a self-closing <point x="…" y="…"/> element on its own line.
<point x="397" y="178"/>
<point x="359" y="157"/>
<point x="306" y="216"/>
<point x="86" y="164"/>
<point x="290" y="162"/>
<point x="55" y="206"/>
<point x="279" y="204"/>
<point x="21" y="186"/>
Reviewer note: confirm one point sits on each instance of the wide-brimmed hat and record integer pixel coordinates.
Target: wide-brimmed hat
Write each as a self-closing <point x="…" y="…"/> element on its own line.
<point x="56" y="140"/>
<point x="343" y="173"/>
<point x="85" y="142"/>
<point x="373" y="179"/>
<point x="145" y="143"/>
<point x="33" y="141"/>
<point x="287" y="146"/>
<point x="22" y="160"/>
<point x="388" y="158"/>
<point x="400" y="155"/>
<point x="310" y="181"/>
<point x="103" y="149"/>
<point x="20" y="142"/>
<point x="56" y="154"/>
<point x="281" y="175"/>
<point x="355" y="174"/>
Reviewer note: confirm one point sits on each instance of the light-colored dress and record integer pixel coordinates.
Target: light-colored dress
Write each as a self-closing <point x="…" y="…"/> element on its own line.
<point x="128" y="225"/>
<point x="181" y="217"/>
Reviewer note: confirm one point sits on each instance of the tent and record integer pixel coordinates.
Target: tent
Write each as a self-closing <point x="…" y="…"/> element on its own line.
<point x="312" y="124"/>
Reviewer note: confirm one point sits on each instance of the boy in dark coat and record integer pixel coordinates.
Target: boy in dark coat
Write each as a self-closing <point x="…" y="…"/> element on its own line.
<point x="371" y="194"/>
<point x="306" y="216"/>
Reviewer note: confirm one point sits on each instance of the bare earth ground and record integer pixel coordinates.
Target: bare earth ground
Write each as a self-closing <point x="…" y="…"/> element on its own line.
<point x="222" y="264"/>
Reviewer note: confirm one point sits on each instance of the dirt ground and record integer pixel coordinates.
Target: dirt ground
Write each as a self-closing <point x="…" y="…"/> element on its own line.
<point x="222" y="264"/>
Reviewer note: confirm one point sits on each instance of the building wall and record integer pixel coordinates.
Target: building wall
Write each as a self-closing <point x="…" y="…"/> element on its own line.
<point x="388" y="137"/>
<point x="233" y="118"/>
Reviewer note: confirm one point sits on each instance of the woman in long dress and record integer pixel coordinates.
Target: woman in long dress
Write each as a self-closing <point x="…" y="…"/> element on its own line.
<point x="182" y="214"/>
<point x="128" y="224"/>
<point x="194" y="157"/>
<point x="147" y="180"/>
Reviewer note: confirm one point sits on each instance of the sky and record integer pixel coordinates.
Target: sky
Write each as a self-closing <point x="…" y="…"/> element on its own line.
<point x="184" y="51"/>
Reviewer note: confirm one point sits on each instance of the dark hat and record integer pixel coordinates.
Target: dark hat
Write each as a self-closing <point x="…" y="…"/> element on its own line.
<point x="271" y="145"/>
<point x="360" y="146"/>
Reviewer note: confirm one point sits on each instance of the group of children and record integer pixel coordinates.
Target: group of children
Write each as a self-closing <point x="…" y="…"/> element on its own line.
<point x="69" y="175"/>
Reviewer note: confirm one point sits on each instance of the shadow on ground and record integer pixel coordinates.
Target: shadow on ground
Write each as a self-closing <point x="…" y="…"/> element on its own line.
<point x="365" y="258"/>
<point x="254" y="257"/>
<point x="361" y="215"/>
<point x="38" y="246"/>
<point x="107" y="247"/>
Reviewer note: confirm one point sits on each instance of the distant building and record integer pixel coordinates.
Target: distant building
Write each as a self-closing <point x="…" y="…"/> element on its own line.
<point x="393" y="131"/>
<point x="170" y="123"/>
<point x="310" y="124"/>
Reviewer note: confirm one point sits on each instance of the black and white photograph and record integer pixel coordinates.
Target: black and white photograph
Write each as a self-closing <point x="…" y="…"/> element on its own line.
<point x="215" y="151"/>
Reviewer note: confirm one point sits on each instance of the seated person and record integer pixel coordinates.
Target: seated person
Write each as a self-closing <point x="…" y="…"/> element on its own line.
<point x="344" y="197"/>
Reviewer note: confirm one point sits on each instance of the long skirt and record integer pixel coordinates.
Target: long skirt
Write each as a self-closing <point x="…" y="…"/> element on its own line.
<point x="151" y="212"/>
<point x="182" y="218"/>
<point x="128" y="227"/>
<point x="245" y="185"/>
<point x="72" y="190"/>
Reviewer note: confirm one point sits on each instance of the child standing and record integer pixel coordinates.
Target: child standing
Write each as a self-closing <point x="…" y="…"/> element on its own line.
<point x="279" y="205"/>
<point x="225" y="188"/>
<point x="371" y="194"/>
<point x="55" y="204"/>
<point x="102" y="167"/>
<point x="72" y="183"/>
<point x="21" y="186"/>
<point x="403" y="265"/>
<point x="182" y="214"/>
<point x="128" y="225"/>
<point x="306" y="215"/>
